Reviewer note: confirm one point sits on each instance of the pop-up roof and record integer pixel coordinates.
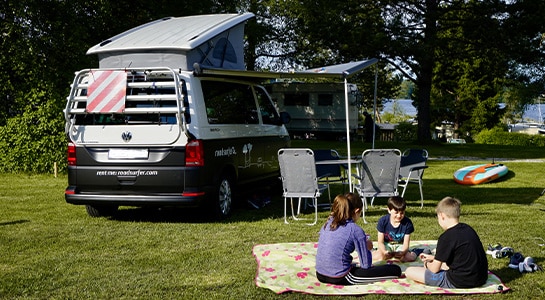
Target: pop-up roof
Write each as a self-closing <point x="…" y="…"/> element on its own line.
<point x="178" y="43"/>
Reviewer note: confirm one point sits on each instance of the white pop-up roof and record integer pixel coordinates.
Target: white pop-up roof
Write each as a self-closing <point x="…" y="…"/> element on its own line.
<point x="211" y="40"/>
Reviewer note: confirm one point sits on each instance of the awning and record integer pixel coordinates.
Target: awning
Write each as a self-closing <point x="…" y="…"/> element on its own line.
<point x="341" y="71"/>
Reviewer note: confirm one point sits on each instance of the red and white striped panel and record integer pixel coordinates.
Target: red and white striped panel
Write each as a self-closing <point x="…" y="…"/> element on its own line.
<point x="106" y="92"/>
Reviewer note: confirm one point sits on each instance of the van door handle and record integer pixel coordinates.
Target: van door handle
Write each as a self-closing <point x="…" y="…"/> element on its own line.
<point x="126" y="180"/>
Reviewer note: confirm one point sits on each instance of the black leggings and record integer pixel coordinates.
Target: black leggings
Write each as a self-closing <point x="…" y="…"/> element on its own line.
<point x="363" y="276"/>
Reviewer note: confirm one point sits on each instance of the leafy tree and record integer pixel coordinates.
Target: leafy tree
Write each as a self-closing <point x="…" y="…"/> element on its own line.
<point x="43" y="43"/>
<point x="463" y="56"/>
<point x="308" y="34"/>
<point x="456" y="52"/>
<point x="406" y="90"/>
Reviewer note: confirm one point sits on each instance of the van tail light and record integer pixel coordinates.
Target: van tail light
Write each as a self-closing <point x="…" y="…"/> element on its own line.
<point x="194" y="153"/>
<point x="71" y="154"/>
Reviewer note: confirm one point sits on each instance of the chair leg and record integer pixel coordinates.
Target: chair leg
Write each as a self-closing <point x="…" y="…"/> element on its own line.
<point x="329" y="193"/>
<point x="296" y="216"/>
<point x="293" y="216"/>
<point x="404" y="188"/>
<point x="363" y="211"/>
<point x="285" y="211"/>
<point x="421" y="193"/>
<point x="315" y="212"/>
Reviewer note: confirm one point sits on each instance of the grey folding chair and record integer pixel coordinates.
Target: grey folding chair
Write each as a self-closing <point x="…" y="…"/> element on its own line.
<point x="378" y="174"/>
<point x="412" y="166"/>
<point x="299" y="181"/>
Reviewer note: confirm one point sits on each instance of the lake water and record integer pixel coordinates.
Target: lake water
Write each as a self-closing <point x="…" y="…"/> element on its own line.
<point x="405" y="106"/>
<point x="531" y="113"/>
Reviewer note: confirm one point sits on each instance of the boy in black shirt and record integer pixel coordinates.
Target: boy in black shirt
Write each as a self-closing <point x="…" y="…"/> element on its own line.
<point x="460" y="260"/>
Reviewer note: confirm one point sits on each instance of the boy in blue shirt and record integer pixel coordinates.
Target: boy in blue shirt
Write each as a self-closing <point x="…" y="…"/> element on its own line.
<point x="394" y="230"/>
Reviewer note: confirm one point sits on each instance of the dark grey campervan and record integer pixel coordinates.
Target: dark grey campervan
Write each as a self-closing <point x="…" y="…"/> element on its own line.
<point x="144" y="129"/>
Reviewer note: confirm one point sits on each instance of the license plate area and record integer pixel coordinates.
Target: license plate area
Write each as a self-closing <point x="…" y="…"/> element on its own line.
<point x="127" y="153"/>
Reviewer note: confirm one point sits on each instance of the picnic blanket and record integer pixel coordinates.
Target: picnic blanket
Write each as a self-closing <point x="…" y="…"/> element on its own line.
<point x="289" y="267"/>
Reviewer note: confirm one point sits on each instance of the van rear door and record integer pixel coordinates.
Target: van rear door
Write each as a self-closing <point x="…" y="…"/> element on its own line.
<point x="126" y="128"/>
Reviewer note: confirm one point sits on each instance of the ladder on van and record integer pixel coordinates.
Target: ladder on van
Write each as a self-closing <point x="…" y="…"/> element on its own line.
<point x="127" y="92"/>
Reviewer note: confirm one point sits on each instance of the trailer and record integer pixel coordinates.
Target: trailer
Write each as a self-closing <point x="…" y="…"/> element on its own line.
<point x="316" y="109"/>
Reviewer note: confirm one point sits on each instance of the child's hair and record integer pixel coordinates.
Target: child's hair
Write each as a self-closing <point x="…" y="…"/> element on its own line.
<point x="343" y="208"/>
<point x="397" y="203"/>
<point x="450" y="207"/>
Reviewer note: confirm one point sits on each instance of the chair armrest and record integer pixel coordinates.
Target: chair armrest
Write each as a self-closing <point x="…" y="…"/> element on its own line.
<point x="357" y="176"/>
<point x="326" y="175"/>
<point x="418" y="168"/>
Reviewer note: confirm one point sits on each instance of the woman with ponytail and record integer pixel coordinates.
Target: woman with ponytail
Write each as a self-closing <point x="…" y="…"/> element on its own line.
<point x="339" y="237"/>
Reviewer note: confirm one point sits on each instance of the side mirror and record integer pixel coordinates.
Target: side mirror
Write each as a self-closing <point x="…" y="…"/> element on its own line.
<point x="285" y="117"/>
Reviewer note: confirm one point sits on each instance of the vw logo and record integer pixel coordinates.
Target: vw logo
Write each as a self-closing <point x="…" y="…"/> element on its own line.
<point x="126" y="136"/>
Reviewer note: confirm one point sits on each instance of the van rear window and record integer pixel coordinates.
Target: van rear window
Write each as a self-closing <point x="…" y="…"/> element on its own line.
<point x="128" y="119"/>
<point x="143" y="105"/>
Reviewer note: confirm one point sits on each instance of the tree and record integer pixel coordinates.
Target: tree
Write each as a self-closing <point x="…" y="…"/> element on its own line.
<point x="43" y="44"/>
<point x="309" y="34"/>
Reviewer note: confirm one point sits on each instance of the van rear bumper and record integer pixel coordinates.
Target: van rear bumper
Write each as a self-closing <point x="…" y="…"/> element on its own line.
<point x="193" y="199"/>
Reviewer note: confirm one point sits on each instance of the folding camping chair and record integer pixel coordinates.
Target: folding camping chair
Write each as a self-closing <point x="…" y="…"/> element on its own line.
<point x="299" y="180"/>
<point x="378" y="174"/>
<point x="413" y="164"/>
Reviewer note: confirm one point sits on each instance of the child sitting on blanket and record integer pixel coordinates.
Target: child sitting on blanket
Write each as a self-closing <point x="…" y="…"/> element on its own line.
<point x="460" y="259"/>
<point x="394" y="230"/>
<point x="339" y="237"/>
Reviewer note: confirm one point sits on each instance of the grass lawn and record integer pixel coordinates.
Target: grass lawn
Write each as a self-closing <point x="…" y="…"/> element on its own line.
<point x="52" y="250"/>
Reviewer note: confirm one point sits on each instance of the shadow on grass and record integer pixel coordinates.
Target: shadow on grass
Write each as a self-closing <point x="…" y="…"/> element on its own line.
<point x="159" y="215"/>
<point x="434" y="190"/>
<point x="242" y="211"/>
<point x="507" y="274"/>
<point x="14" y="222"/>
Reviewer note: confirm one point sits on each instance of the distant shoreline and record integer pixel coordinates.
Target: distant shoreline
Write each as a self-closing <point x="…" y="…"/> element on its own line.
<point x="531" y="114"/>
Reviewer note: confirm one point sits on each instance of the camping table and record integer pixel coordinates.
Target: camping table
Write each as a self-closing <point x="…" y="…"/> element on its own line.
<point x="341" y="162"/>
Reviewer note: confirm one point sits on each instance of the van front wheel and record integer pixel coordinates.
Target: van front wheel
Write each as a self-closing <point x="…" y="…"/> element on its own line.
<point x="224" y="197"/>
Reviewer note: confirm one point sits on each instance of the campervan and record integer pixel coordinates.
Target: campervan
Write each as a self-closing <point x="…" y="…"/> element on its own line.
<point x="317" y="109"/>
<point x="145" y="129"/>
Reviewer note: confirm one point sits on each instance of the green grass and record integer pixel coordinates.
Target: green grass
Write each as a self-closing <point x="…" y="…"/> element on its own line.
<point x="53" y="250"/>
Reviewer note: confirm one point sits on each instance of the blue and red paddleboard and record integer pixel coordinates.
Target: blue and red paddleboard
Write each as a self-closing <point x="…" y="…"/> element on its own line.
<point x="478" y="174"/>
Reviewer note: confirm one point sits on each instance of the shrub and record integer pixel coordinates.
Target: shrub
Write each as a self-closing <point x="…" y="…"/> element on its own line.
<point x="33" y="141"/>
<point x="405" y="132"/>
<point x="498" y="136"/>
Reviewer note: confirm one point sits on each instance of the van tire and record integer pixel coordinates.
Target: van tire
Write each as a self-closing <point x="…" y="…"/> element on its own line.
<point x="100" y="211"/>
<point x="223" y="202"/>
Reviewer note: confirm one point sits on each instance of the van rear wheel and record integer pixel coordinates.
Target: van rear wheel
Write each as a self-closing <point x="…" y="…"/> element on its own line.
<point x="224" y="197"/>
<point x="100" y="210"/>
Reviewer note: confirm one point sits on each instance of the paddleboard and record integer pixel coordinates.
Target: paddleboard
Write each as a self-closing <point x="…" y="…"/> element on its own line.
<point x="478" y="174"/>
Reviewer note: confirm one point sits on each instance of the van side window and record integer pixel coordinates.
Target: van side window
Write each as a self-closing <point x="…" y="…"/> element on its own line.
<point x="268" y="112"/>
<point x="229" y="103"/>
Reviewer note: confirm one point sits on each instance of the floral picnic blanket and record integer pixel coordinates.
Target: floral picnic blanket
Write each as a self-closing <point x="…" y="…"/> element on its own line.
<point x="289" y="267"/>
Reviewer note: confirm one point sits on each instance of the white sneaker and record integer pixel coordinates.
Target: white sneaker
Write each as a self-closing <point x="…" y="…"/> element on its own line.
<point x="528" y="266"/>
